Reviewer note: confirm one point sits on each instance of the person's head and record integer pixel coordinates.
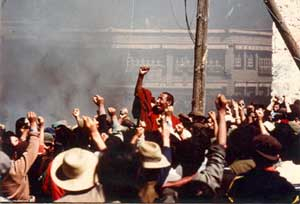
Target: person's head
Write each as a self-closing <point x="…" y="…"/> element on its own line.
<point x="197" y="118"/>
<point x="63" y="135"/>
<point x="152" y="156"/>
<point x="10" y="138"/>
<point x="296" y="111"/>
<point x="251" y="110"/>
<point x="239" y="142"/>
<point x="266" y="150"/>
<point x="49" y="142"/>
<point x="22" y="124"/>
<point x="74" y="170"/>
<point x="241" y="103"/>
<point x="276" y="107"/>
<point x="123" y="113"/>
<point x="186" y="120"/>
<point x="10" y="143"/>
<point x="118" y="172"/>
<point x="163" y="101"/>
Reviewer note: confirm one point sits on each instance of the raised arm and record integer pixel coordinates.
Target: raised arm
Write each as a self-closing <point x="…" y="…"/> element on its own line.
<point x="221" y="108"/>
<point x="237" y="117"/>
<point x="213" y="117"/>
<point x="272" y="103"/>
<point x="139" y="133"/>
<point x="76" y="115"/>
<point x="91" y="125"/>
<point x="287" y="104"/>
<point x="242" y="110"/>
<point x="41" y="123"/>
<point x="116" y="127"/>
<point x="260" y="119"/>
<point x="23" y="164"/>
<point x="139" y="83"/>
<point x="213" y="173"/>
<point x="99" y="101"/>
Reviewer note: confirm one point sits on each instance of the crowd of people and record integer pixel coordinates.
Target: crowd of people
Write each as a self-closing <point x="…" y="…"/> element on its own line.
<point x="238" y="153"/>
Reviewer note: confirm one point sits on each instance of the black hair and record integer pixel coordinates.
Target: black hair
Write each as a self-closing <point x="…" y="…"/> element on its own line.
<point x="118" y="171"/>
<point x="20" y="123"/>
<point x="170" y="97"/>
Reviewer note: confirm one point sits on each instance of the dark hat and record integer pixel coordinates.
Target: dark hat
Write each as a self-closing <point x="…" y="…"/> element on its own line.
<point x="184" y="118"/>
<point x="60" y="123"/>
<point x="197" y="116"/>
<point x="50" y="130"/>
<point x="267" y="146"/>
<point x="22" y="122"/>
<point x="296" y="108"/>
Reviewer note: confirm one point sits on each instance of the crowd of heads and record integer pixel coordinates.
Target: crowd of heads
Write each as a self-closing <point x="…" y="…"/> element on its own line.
<point x="154" y="156"/>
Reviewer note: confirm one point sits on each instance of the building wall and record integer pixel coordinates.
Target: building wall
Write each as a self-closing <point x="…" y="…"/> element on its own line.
<point x="239" y="62"/>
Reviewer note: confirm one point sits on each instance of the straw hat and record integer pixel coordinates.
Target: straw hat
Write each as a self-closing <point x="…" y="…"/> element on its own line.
<point x="152" y="156"/>
<point x="74" y="169"/>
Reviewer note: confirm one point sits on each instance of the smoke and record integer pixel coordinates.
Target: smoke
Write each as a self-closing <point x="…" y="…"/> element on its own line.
<point x="46" y="64"/>
<point x="54" y="55"/>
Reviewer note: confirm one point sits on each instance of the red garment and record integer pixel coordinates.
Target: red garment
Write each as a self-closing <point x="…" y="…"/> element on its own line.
<point x="49" y="187"/>
<point x="284" y="121"/>
<point x="146" y="113"/>
<point x="42" y="149"/>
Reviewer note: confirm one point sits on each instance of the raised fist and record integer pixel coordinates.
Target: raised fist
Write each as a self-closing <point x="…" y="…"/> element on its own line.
<point x="32" y="117"/>
<point x="98" y="100"/>
<point x="221" y="102"/>
<point x="90" y="123"/>
<point x="144" y="69"/>
<point x="76" y="112"/>
<point x="235" y="105"/>
<point x="111" y="111"/>
<point x="212" y="115"/>
<point x="41" y="121"/>
<point x="259" y="114"/>
<point x="2" y="126"/>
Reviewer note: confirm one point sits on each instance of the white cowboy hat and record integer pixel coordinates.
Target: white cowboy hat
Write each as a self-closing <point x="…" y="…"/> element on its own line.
<point x="74" y="169"/>
<point x="152" y="156"/>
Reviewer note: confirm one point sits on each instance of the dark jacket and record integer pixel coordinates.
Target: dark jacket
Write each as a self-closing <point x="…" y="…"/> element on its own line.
<point x="205" y="183"/>
<point x="260" y="185"/>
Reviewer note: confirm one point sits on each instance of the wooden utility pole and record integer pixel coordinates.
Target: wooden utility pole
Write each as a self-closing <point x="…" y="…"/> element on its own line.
<point x="200" y="56"/>
<point x="284" y="31"/>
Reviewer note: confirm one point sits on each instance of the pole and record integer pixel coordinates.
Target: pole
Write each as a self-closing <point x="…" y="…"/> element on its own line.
<point x="284" y="31"/>
<point x="200" y="56"/>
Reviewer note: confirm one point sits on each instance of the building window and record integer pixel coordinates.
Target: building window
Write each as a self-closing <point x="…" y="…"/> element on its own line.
<point x="250" y="91"/>
<point x="216" y="61"/>
<point x="263" y="91"/>
<point x="182" y="63"/>
<point x="239" y="91"/>
<point x="238" y="60"/>
<point x="265" y="63"/>
<point x="156" y="61"/>
<point x="250" y="61"/>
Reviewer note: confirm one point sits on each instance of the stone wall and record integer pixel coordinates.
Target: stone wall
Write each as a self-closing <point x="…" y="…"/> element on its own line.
<point x="286" y="75"/>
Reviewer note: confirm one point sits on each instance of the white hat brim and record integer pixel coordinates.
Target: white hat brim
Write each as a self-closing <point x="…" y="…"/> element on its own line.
<point x="156" y="164"/>
<point x="85" y="181"/>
